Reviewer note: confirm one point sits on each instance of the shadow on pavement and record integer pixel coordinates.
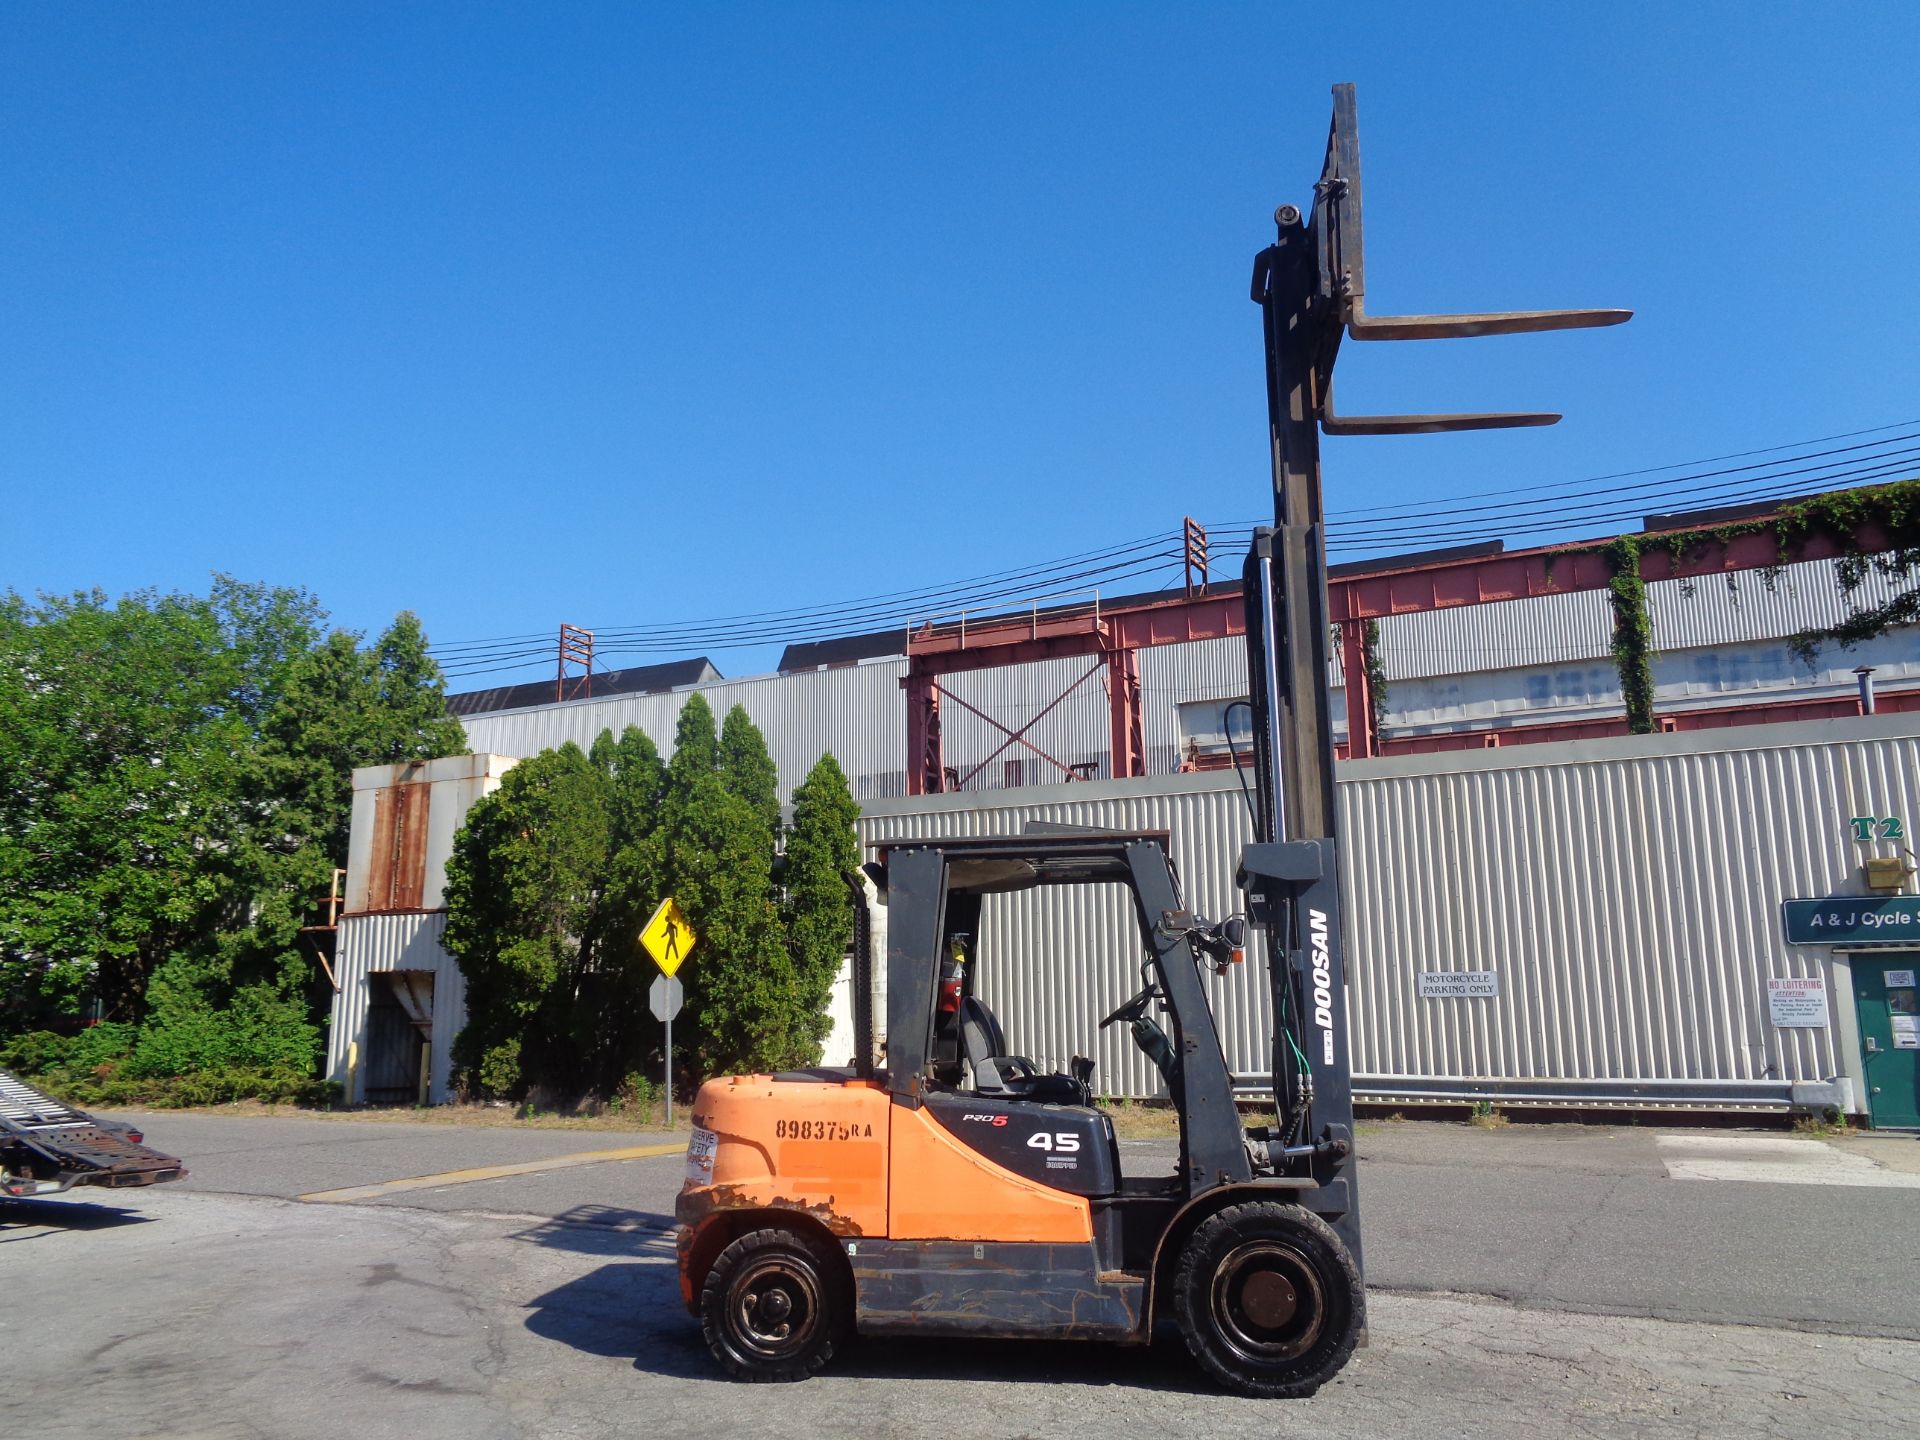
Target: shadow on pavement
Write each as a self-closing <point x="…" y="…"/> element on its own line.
<point x="633" y="1311"/>
<point x="603" y="1230"/>
<point x="42" y="1217"/>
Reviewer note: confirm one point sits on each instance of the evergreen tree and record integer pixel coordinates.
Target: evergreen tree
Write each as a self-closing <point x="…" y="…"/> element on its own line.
<point x="748" y="771"/>
<point x="626" y="1037"/>
<point x="717" y="854"/>
<point x="822" y="848"/>
<point x="696" y="745"/>
<point x="740" y="981"/>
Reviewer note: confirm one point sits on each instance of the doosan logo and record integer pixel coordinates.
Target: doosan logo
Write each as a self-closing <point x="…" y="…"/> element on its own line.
<point x="1322" y="982"/>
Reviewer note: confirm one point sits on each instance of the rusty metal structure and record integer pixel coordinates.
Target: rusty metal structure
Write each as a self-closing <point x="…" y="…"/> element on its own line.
<point x="1193" y="544"/>
<point x="1359" y="595"/>
<point x="576" y="648"/>
<point x="47" y="1147"/>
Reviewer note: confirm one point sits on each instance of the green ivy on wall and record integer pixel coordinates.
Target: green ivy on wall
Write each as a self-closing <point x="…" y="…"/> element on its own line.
<point x="1376" y="676"/>
<point x="1632" y="631"/>
<point x="1838" y="518"/>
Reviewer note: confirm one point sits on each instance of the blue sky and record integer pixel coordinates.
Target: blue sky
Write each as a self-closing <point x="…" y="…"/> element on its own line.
<point x="615" y="314"/>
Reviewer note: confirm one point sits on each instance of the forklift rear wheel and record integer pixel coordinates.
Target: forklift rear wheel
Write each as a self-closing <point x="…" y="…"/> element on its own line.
<point x="774" y="1306"/>
<point x="1268" y="1298"/>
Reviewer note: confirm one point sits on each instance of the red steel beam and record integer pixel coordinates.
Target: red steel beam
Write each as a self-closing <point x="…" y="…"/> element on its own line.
<point x="1428" y="585"/>
<point x="1559" y="569"/>
<point x="1353" y="600"/>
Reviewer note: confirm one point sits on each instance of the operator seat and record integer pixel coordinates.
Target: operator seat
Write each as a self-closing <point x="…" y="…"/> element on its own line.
<point x="1014" y="1077"/>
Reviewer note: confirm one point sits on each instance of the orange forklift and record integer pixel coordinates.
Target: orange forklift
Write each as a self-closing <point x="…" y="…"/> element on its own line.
<point x="963" y="1190"/>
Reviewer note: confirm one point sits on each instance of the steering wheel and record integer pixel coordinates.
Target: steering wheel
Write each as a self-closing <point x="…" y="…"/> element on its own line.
<point x="1134" y="1008"/>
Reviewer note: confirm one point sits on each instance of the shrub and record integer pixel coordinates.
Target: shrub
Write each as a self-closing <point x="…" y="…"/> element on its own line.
<point x="104" y="1044"/>
<point x="498" y="1072"/>
<point x="110" y="1087"/>
<point x="261" y="1031"/>
<point x="34" y="1053"/>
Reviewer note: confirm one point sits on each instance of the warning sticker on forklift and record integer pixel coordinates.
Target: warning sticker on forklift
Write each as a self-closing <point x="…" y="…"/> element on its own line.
<point x="700" y="1150"/>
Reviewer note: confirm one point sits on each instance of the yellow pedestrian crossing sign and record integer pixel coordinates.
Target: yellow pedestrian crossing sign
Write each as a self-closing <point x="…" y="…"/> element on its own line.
<point x="668" y="937"/>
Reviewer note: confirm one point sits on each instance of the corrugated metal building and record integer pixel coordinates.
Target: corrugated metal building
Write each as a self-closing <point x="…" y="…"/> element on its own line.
<point x="400" y="998"/>
<point x="1624" y="893"/>
<point x="1615" y="902"/>
<point x="1448" y="670"/>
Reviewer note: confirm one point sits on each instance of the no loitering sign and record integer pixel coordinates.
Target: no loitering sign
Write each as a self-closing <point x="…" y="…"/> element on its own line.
<point x="1797" y="1004"/>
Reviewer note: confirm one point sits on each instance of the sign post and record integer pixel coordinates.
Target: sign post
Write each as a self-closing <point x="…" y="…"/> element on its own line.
<point x="669" y="939"/>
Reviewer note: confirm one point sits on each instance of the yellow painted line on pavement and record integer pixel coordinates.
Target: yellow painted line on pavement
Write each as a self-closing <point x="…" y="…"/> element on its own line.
<point x="491" y="1172"/>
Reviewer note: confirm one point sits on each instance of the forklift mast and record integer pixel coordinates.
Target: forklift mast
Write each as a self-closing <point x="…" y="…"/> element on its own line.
<point x="1311" y="287"/>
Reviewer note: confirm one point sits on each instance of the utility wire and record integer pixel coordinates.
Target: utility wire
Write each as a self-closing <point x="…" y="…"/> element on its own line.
<point x="1390" y="527"/>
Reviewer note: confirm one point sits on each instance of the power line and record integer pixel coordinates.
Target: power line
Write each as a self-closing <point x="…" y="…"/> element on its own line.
<point x="1392" y="527"/>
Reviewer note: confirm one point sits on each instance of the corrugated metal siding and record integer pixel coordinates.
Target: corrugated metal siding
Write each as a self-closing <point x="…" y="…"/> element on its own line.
<point x="1053" y="961"/>
<point x="1074" y="730"/>
<point x="1451" y="667"/>
<point x="371" y="943"/>
<point x="1627" y="892"/>
<point x="1558" y="629"/>
<point x="856" y="712"/>
<point x="1738" y="673"/>
<point x="1505" y="635"/>
<point x="859" y="713"/>
<point x="1804" y="596"/>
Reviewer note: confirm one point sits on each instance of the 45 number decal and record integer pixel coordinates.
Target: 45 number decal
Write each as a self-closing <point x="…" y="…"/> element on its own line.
<point x="1061" y="1142"/>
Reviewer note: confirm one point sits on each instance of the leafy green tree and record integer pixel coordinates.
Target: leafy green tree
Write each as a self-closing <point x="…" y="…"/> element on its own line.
<point x="127" y="805"/>
<point x="817" y="912"/>
<point x="338" y="706"/>
<point x="342" y="707"/>
<point x="174" y="792"/>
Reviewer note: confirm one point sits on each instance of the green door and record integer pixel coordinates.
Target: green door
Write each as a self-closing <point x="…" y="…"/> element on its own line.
<point x="1889" y="1005"/>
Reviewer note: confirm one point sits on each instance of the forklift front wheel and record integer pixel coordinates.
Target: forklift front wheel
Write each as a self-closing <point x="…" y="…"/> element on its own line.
<point x="1268" y="1299"/>
<point x="775" y="1305"/>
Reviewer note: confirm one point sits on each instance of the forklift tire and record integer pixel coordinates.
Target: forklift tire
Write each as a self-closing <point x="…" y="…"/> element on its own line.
<point x="1268" y="1299"/>
<point x="775" y="1305"/>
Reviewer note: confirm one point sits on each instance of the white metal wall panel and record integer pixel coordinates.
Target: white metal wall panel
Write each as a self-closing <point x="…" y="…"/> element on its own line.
<point x="1738" y="673"/>
<point x="1803" y="596"/>
<point x="409" y="941"/>
<point x="859" y="713"/>
<point x="1445" y="669"/>
<point x="1504" y="635"/>
<point x="1053" y="961"/>
<point x="856" y="712"/>
<point x="1626" y="891"/>
<point x="1560" y="629"/>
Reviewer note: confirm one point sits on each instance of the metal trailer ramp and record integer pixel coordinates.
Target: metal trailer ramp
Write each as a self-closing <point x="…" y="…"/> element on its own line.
<point x="47" y="1147"/>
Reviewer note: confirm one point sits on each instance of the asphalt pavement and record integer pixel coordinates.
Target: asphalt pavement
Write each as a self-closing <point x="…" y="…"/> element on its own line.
<point x="1558" y="1217"/>
<point x="455" y="1281"/>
